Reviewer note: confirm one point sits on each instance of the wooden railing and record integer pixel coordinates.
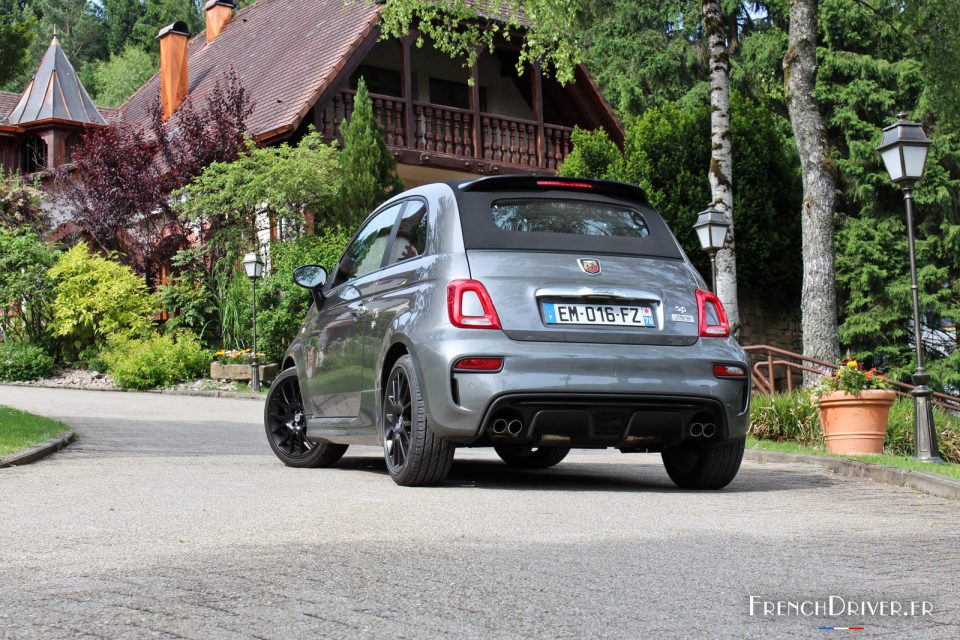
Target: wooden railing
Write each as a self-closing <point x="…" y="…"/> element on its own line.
<point x="769" y="361"/>
<point x="443" y="129"/>
<point x="456" y="132"/>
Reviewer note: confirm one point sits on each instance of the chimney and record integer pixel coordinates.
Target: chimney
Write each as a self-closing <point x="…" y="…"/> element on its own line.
<point x="218" y="14"/>
<point x="173" y="66"/>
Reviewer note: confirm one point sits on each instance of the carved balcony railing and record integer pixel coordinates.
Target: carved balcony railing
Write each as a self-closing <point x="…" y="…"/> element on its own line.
<point x="458" y="133"/>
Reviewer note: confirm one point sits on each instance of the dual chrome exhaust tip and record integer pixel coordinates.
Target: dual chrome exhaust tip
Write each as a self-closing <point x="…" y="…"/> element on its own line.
<point x="702" y="430"/>
<point x="504" y="427"/>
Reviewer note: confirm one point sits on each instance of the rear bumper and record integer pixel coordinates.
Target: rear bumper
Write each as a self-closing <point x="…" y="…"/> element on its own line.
<point x="657" y="389"/>
<point x="628" y="422"/>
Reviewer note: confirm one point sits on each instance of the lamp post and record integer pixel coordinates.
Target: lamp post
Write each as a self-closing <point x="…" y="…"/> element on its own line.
<point x="253" y="265"/>
<point x="712" y="228"/>
<point x="904" y="151"/>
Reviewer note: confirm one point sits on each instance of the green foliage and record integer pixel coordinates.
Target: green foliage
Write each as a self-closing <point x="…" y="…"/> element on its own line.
<point x="155" y="361"/>
<point x="25" y="288"/>
<point x="186" y="298"/>
<point x="20" y="205"/>
<point x="116" y="80"/>
<point x="851" y="378"/>
<point x="160" y="13"/>
<point x="17" y="32"/>
<point x="592" y="156"/>
<point x="786" y="416"/>
<point x="232" y="298"/>
<point x="793" y="417"/>
<point x="95" y="297"/>
<point x="643" y="54"/>
<point x="281" y="182"/>
<point x="121" y="16"/>
<point x="369" y="169"/>
<point x="21" y="361"/>
<point x="281" y="304"/>
<point x="666" y="151"/>
<point x="460" y="28"/>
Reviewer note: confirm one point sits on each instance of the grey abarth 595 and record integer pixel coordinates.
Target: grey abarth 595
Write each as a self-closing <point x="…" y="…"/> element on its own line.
<point x="528" y="314"/>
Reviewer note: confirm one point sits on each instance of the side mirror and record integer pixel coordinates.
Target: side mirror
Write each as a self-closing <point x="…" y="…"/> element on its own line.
<point x="312" y="277"/>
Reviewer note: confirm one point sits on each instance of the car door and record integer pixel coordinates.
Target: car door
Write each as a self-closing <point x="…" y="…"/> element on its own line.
<point x="403" y="275"/>
<point x="335" y="346"/>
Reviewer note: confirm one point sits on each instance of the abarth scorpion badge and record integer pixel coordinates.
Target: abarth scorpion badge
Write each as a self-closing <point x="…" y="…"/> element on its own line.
<point x="589" y="265"/>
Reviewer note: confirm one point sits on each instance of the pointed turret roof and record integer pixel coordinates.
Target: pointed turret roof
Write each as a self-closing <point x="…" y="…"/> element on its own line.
<point x="55" y="92"/>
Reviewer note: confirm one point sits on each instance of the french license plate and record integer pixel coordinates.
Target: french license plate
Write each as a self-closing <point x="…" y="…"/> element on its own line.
<point x="603" y="314"/>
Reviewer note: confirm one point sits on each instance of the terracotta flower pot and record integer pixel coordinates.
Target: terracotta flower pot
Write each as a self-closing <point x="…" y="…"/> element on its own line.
<point x="855" y="424"/>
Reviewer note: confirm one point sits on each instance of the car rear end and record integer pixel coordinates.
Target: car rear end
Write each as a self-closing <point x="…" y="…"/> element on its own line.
<point x="581" y="324"/>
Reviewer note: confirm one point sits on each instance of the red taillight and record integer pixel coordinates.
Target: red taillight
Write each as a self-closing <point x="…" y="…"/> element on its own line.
<point x="478" y="364"/>
<point x="729" y="371"/>
<point x="470" y="307"/>
<point x="713" y="319"/>
<point x="564" y="183"/>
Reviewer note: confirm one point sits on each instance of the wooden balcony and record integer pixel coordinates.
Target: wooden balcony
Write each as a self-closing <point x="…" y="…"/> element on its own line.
<point x="460" y="139"/>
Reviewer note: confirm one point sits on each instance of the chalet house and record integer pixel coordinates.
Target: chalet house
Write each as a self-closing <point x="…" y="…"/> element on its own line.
<point x="299" y="61"/>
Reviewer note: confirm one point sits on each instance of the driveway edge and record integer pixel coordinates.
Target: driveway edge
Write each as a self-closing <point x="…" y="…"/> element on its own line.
<point x="925" y="482"/>
<point x="169" y="392"/>
<point x="39" y="451"/>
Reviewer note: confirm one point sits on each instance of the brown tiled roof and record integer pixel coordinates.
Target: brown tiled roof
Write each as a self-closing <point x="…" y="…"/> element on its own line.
<point x="8" y="101"/>
<point x="285" y="52"/>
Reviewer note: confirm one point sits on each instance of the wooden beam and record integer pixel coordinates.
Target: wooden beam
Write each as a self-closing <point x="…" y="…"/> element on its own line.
<point x="475" y="106"/>
<point x="536" y="101"/>
<point x="406" y="79"/>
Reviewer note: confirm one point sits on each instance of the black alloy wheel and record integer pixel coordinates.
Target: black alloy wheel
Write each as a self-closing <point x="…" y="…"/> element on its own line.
<point x="415" y="456"/>
<point x="286" y="426"/>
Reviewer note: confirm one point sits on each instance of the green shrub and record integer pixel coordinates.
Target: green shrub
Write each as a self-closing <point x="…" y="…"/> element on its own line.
<point x="786" y="416"/>
<point x="25" y="289"/>
<point x="156" y="361"/>
<point x="281" y="304"/>
<point x="21" y="361"/>
<point x="95" y="297"/>
<point x="794" y="417"/>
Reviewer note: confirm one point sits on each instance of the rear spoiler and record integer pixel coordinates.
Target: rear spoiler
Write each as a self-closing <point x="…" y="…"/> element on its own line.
<point x="548" y="183"/>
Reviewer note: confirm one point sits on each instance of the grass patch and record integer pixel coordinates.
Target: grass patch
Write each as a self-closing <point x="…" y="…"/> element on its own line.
<point x="20" y="430"/>
<point x="886" y="459"/>
<point x="244" y="387"/>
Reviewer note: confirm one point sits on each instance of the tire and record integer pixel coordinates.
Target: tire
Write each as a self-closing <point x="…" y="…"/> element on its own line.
<point x="704" y="468"/>
<point x="415" y="456"/>
<point x="521" y="456"/>
<point x="285" y="423"/>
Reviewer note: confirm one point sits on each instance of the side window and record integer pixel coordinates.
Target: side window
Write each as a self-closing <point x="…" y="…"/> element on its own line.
<point x="365" y="253"/>
<point x="411" y="238"/>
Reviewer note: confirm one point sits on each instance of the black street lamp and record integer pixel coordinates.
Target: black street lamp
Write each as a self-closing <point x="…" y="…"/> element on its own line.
<point x="253" y="265"/>
<point x="712" y="228"/>
<point x="904" y="150"/>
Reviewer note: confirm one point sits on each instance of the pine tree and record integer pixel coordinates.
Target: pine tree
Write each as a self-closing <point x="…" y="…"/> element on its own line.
<point x="369" y="169"/>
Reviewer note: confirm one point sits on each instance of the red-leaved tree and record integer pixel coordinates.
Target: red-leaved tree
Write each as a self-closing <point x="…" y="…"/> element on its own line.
<point x="119" y="185"/>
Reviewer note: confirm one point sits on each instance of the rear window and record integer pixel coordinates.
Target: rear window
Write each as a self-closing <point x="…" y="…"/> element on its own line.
<point x="573" y="217"/>
<point x="562" y="221"/>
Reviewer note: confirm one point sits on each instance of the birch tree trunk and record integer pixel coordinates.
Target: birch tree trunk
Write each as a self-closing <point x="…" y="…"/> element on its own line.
<point x="721" y="155"/>
<point x="818" y="304"/>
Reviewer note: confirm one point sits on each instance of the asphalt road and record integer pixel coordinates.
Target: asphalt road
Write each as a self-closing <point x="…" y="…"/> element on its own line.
<point x="171" y="518"/>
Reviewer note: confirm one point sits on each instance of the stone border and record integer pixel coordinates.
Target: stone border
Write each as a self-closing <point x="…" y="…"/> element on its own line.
<point x="39" y="451"/>
<point x="170" y="392"/>
<point x="926" y="482"/>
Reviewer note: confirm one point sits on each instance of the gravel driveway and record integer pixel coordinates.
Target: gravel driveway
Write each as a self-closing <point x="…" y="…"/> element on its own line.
<point x="170" y="518"/>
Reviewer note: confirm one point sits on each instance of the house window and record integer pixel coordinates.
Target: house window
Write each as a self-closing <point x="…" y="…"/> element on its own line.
<point x="378" y="80"/>
<point x="33" y="155"/>
<point x="454" y="94"/>
<point x="70" y="146"/>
